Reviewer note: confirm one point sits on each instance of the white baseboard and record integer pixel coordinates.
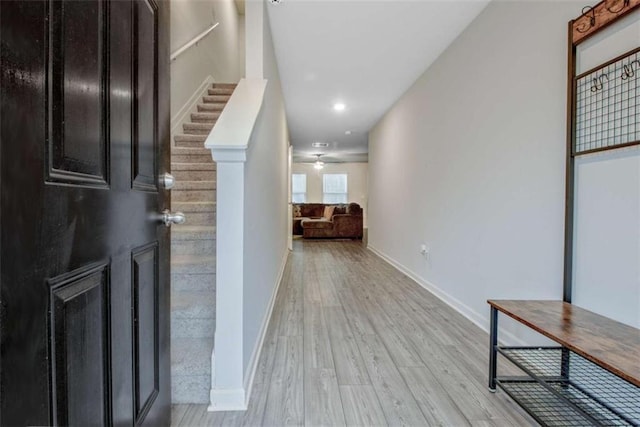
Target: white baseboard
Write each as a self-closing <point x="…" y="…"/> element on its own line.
<point x="238" y="399"/>
<point x="476" y="318"/>
<point x="182" y="115"/>
<point x="227" y="400"/>
<point x="257" y="350"/>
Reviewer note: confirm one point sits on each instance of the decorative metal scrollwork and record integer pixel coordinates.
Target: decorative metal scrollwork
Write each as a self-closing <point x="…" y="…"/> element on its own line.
<point x="625" y="4"/>
<point x="591" y="12"/>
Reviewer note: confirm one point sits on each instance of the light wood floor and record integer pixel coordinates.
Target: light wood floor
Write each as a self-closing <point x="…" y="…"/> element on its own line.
<point x="353" y="341"/>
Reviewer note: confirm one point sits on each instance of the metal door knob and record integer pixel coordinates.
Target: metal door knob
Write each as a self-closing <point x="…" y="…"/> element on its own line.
<point x="169" y="217"/>
<point x="167" y="181"/>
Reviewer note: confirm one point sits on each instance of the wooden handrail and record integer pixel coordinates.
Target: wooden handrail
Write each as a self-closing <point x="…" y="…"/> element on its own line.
<point x="193" y="41"/>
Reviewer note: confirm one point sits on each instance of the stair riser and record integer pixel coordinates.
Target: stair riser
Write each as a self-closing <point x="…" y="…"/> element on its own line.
<point x="220" y="91"/>
<point x="191" y="158"/>
<point x="197" y="126"/>
<point x="201" y="218"/>
<point x="193" y="195"/>
<point x="190" y="138"/>
<point x="194" y="175"/>
<point x="194" y="269"/>
<point x="189" y="144"/>
<point x="215" y="99"/>
<point x="225" y="85"/>
<point x="197" y="131"/>
<point x="192" y="328"/>
<point x="190" y="388"/>
<point x="207" y="116"/>
<point x="193" y="282"/>
<point x="193" y="247"/>
<point x="205" y="166"/>
<point x="211" y="107"/>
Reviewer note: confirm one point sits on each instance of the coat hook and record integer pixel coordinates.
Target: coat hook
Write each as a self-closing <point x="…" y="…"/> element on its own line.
<point x="625" y="3"/>
<point x="598" y="82"/>
<point x="627" y="70"/>
<point x="592" y="18"/>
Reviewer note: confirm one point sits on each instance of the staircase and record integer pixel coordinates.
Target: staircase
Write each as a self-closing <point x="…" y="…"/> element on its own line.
<point x="193" y="249"/>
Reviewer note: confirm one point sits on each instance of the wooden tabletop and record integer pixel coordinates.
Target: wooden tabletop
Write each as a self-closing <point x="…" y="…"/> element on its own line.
<point x="610" y="344"/>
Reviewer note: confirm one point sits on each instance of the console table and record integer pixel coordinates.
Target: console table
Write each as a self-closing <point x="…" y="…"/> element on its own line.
<point x="591" y="378"/>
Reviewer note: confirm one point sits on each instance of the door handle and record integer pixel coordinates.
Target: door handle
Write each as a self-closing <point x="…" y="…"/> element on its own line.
<point x="169" y="217"/>
<point x="167" y="181"/>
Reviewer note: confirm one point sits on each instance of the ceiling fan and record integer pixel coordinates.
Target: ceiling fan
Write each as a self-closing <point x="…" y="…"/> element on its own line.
<point x="319" y="164"/>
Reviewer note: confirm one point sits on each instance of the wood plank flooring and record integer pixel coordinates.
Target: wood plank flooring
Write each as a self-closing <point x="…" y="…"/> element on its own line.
<point x="352" y="341"/>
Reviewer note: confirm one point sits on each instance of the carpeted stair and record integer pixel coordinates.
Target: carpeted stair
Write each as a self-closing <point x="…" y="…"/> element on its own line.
<point x="193" y="251"/>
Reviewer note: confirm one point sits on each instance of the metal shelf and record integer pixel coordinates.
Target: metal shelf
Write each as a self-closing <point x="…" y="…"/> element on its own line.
<point x="564" y="389"/>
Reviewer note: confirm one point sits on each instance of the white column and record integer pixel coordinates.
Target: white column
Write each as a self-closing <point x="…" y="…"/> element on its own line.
<point x="227" y="389"/>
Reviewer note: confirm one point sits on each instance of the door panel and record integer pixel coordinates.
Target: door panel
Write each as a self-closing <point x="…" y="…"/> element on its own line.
<point x="145" y="321"/>
<point x="80" y="336"/>
<point x="78" y="102"/>
<point x="84" y="261"/>
<point x="145" y="32"/>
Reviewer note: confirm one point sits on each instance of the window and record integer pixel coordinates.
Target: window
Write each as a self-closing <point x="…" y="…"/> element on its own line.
<point x="299" y="188"/>
<point x="334" y="188"/>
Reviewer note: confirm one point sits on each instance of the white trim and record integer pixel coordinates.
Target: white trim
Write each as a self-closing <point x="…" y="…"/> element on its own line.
<point x="257" y="350"/>
<point x="227" y="372"/>
<point x="235" y="125"/>
<point x="185" y="111"/>
<point x="479" y="320"/>
<point x="229" y="154"/>
<point x="193" y="41"/>
<point x="227" y="400"/>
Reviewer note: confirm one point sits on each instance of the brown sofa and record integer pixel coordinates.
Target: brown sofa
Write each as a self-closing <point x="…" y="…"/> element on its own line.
<point x="345" y="223"/>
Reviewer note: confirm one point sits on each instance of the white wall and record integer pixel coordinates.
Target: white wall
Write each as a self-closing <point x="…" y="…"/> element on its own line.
<point x="474" y="155"/>
<point x="266" y="201"/>
<point x="357" y="181"/>
<point x="215" y="57"/>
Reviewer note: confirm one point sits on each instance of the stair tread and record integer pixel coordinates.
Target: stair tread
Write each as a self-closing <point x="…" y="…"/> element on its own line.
<point x="192" y="259"/>
<point x="198" y="125"/>
<point x="193" y="232"/>
<point x="193" y="228"/>
<point x="190" y="150"/>
<point x="212" y="106"/>
<point x="202" y="114"/>
<point x="194" y="206"/>
<point x="215" y="99"/>
<point x="224" y="85"/>
<point x="190" y="137"/>
<point x="195" y="166"/>
<point x="221" y="91"/>
<point x="194" y="185"/>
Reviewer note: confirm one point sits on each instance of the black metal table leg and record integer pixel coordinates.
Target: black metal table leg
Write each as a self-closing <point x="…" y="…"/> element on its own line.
<point x="493" y="349"/>
<point x="564" y="365"/>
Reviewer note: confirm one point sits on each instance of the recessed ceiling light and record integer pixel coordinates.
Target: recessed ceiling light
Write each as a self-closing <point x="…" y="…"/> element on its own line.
<point x="339" y="106"/>
<point x="348" y="132"/>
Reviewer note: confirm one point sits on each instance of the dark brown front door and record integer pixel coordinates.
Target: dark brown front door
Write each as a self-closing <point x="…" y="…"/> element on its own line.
<point x="84" y="318"/>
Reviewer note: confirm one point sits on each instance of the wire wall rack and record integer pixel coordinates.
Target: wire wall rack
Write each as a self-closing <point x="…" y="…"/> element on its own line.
<point x="608" y="105"/>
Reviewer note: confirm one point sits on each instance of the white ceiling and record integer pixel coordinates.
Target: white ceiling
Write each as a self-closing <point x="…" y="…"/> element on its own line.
<point x="364" y="53"/>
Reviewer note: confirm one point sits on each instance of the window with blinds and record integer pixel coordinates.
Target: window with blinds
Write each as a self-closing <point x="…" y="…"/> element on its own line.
<point x="334" y="188"/>
<point x="299" y="188"/>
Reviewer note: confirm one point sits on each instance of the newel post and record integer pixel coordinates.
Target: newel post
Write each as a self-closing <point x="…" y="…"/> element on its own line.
<point x="227" y="386"/>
